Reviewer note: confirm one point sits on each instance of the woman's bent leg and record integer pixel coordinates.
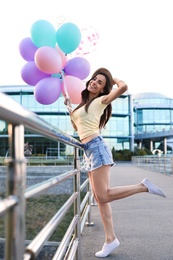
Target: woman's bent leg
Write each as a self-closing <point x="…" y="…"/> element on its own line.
<point x="100" y="181"/>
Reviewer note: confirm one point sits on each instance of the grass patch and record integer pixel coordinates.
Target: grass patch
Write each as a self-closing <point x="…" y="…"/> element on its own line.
<point x="39" y="211"/>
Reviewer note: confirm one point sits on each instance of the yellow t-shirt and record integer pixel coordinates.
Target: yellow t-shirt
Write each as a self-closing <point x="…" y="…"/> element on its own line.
<point x="87" y="123"/>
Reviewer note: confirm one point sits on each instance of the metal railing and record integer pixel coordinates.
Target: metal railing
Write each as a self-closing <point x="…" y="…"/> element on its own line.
<point x="13" y="206"/>
<point x="159" y="163"/>
<point x="43" y="160"/>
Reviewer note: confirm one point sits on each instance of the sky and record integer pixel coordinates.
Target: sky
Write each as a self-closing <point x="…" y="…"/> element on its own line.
<point x="135" y="38"/>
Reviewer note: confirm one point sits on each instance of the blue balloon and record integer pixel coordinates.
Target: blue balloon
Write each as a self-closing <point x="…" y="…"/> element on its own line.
<point x="68" y="37"/>
<point x="57" y="75"/>
<point x="43" y="34"/>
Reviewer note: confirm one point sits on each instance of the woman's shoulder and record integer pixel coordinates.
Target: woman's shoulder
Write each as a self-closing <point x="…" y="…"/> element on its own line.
<point x="99" y="99"/>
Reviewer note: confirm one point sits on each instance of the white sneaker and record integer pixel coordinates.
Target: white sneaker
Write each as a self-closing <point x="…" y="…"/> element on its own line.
<point x="108" y="248"/>
<point x="152" y="188"/>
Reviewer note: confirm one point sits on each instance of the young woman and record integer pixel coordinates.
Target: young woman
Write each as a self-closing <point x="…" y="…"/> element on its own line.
<point x="88" y="118"/>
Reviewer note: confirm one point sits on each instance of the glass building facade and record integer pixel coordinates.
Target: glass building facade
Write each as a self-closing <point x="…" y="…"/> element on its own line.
<point x="118" y="131"/>
<point x="153" y="118"/>
<point x="153" y="112"/>
<point x="135" y="119"/>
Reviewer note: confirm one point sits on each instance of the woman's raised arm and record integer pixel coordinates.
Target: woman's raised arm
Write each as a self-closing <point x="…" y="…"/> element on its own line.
<point x="115" y="93"/>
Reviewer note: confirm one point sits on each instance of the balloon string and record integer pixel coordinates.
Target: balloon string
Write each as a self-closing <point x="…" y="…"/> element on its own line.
<point x="65" y="87"/>
<point x="69" y="107"/>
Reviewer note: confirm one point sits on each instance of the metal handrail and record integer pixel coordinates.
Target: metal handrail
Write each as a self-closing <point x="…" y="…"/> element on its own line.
<point x="19" y="119"/>
<point x="159" y="163"/>
<point x="39" y="188"/>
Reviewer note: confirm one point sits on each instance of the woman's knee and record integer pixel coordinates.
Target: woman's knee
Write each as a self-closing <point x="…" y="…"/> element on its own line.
<point x="102" y="198"/>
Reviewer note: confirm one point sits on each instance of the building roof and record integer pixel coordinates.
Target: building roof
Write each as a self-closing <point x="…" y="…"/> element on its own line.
<point x="149" y="95"/>
<point x="16" y="88"/>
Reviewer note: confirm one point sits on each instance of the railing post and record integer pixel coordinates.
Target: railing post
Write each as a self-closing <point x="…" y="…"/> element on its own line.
<point x="77" y="201"/>
<point x="16" y="178"/>
<point x="91" y="202"/>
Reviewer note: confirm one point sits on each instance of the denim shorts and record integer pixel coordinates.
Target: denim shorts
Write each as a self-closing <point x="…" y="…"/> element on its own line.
<point x="97" y="153"/>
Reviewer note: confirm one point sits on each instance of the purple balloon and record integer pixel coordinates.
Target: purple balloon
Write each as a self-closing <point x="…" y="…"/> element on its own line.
<point x="31" y="74"/>
<point x="48" y="90"/>
<point x="77" y="67"/>
<point x="27" y="49"/>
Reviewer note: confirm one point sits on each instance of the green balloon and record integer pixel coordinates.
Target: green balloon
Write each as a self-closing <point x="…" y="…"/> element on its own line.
<point x="43" y="33"/>
<point x="68" y="37"/>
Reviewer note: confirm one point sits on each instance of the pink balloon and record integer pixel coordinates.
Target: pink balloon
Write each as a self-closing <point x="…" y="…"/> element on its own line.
<point x="48" y="60"/>
<point x="31" y="74"/>
<point x="74" y="87"/>
<point x="48" y="90"/>
<point x="27" y="49"/>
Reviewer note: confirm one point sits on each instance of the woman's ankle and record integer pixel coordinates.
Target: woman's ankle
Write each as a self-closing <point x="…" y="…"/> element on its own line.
<point x="110" y="240"/>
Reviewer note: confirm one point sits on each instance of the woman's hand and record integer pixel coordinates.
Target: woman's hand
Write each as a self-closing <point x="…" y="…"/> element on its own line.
<point x="118" y="81"/>
<point x="67" y="102"/>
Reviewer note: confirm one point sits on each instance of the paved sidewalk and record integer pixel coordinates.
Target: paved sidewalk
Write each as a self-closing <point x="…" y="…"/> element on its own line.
<point x="143" y="222"/>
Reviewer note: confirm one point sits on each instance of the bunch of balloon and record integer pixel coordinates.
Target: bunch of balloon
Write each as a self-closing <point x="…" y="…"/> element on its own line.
<point x="47" y="66"/>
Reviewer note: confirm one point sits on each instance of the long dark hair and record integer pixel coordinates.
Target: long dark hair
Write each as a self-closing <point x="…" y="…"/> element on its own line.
<point x="107" y="89"/>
